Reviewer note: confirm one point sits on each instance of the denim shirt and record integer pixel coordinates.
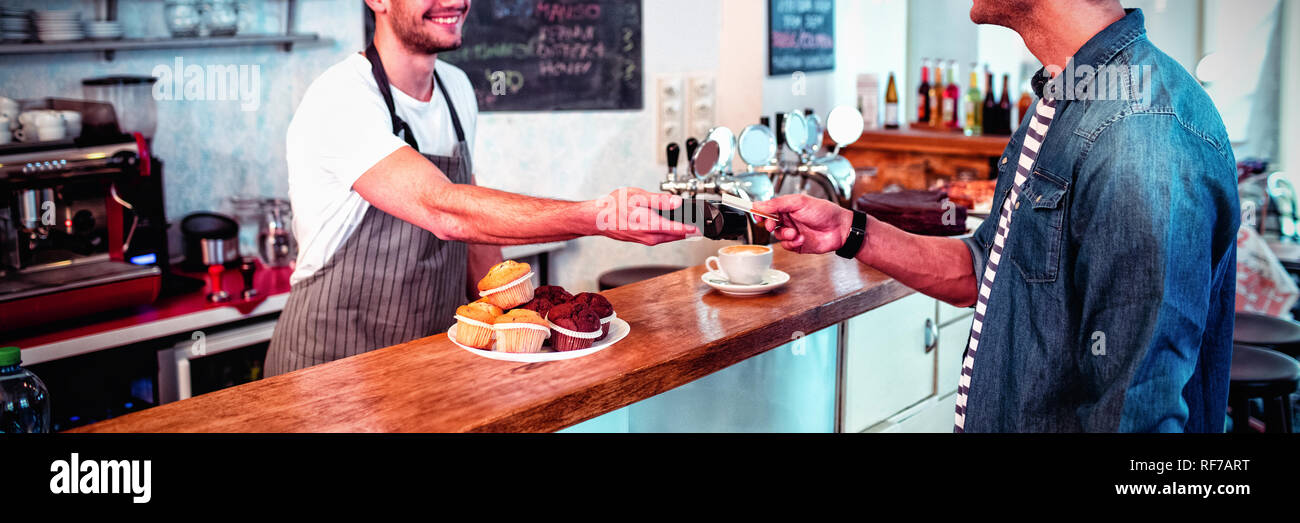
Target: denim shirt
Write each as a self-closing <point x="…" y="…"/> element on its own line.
<point x="1116" y="310"/>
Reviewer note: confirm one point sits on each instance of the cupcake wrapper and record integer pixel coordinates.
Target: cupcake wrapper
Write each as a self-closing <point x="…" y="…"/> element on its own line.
<point x="567" y="340"/>
<point x="604" y="325"/>
<point x="521" y="339"/>
<point x="512" y="294"/>
<point x="475" y="336"/>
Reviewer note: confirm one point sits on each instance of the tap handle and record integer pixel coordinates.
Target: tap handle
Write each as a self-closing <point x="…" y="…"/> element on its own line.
<point x="765" y="122"/>
<point x="780" y="132"/>
<point x="691" y="145"/>
<point x="674" y="152"/>
<point x="247" y="269"/>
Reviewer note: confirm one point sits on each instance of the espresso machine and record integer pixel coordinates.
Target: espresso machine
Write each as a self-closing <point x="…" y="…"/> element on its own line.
<point x="717" y="198"/>
<point x="82" y="225"/>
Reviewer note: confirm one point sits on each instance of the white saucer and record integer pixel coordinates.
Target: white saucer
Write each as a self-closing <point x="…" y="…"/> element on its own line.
<point x="773" y="280"/>
<point x="618" y="329"/>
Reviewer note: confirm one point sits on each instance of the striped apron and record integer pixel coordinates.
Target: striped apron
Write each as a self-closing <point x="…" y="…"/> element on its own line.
<point x="1044" y="112"/>
<point x="389" y="283"/>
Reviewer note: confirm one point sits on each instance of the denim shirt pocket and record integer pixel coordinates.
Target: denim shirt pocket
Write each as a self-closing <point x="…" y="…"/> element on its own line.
<point x="1037" y="231"/>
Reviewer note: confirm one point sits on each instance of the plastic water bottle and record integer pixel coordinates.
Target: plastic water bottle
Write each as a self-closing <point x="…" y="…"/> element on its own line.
<point x="24" y="402"/>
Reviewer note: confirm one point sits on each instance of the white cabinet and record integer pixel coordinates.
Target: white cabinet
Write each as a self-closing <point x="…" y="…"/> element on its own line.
<point x="887" y="367"/>
<point x="934" y="415"/>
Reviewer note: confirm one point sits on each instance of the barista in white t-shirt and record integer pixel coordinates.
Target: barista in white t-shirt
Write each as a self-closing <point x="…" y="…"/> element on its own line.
<point x="389" y="223"/>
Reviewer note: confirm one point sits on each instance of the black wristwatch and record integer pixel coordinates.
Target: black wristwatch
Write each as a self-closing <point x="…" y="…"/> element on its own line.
<point x="857" y="237"/>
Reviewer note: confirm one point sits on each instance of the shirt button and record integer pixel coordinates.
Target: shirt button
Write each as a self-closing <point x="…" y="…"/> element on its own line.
<point x="1017" y="204"/>
<point x="1004" y="160"/>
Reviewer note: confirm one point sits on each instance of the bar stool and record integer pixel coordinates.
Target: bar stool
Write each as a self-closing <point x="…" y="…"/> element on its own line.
<point x="627" y="275"/>
<point x="1270" y="332"/>
<point x="1265" y="374"/>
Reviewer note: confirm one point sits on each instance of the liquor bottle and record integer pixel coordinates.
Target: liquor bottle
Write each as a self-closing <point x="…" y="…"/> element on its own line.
<point x="891" y="104"/>
<point x="1024" y="104"/>
<point x="923" y="94"/>
<point x="973" y="104"/>
<point x="952" y="98"/>
<point x="936" y="96"/>
<point x="1004" y="105"/>
<point x="990" y="114"/>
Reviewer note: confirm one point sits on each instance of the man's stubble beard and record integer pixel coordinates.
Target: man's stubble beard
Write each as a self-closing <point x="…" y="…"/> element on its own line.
<point x="407" y="27"/>
<point x="1000" y="12"/>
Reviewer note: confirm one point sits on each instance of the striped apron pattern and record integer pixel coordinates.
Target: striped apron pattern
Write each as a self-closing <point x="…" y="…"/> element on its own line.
<point x="1045" y="112"/>
<point x="389" y="283"/>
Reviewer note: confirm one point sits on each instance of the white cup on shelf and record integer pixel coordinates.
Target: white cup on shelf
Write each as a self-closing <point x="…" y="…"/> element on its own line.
<point x="8" y="108"/>
<point x="71" y="123"/>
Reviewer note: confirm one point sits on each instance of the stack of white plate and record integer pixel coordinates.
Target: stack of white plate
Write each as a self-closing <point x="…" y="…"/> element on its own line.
<point x="14" y="24"/>
<point x="59" y="26"/>
<point x="103" y="30"/>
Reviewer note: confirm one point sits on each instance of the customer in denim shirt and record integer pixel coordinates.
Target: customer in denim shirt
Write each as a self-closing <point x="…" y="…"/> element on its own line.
<point x="1112" y="306"/>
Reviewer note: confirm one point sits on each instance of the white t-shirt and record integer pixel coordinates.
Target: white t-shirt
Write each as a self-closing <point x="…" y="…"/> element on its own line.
<point x="340" y="130"/>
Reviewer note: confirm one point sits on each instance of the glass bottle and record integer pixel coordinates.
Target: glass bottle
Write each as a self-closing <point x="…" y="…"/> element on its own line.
<point x="973" y="104"/>
<point x="891" y="104"/>
<point x="923" y="94"/>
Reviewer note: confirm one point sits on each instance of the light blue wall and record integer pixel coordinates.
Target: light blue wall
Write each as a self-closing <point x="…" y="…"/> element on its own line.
<point x="212" y="149"/>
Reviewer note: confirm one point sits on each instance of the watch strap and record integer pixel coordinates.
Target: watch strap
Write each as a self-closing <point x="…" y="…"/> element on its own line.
<point x="857" y="237"/>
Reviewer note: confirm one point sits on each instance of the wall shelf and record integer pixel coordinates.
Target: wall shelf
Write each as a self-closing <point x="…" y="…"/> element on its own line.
<point x="108" y="46"/>
<point x="107" y="10"/>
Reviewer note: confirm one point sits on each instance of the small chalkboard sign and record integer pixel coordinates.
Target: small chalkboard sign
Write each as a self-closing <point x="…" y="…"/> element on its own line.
<point x="549" y="55"/>
<point x="801" y="36"/>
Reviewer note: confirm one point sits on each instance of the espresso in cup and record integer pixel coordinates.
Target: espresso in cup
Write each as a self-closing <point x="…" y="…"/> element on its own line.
<point x="741" y="264"/>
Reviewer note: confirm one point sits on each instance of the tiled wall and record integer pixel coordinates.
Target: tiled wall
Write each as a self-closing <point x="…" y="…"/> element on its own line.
<point x="212" y="149"/>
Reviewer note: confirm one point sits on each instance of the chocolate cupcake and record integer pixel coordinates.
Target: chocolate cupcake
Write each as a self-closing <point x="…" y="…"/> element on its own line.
<point x="545" y="297"/>
<point x="601" y="307"/>
<point x="574" y="326"/>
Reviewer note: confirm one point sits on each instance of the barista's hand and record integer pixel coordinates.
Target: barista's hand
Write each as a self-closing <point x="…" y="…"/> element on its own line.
<point x="808" y="225"/>
<point x="628" y="214"/>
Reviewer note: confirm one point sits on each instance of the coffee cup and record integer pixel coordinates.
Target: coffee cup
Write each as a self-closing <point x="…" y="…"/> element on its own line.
<point x="40" y="118"/>
<point x="8" y="108"/>
<point x="72" y="122"/>
<point x="741" y="264"/>
<point x="40" y="133"/>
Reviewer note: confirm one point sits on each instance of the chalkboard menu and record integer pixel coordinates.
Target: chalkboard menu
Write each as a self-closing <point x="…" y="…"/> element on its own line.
<point x="801" y="36"/>
<point x="547" y="55"/>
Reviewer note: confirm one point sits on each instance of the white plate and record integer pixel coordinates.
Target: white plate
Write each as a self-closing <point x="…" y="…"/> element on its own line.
<point x="773" y="280"/>
<point x="618" y="329"/>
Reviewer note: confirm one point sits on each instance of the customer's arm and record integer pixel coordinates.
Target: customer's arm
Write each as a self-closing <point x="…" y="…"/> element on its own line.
<point x="1143" y="226"/>
<point x="937" y="267"/>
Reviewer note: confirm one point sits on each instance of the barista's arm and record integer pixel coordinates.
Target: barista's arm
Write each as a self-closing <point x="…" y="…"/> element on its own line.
<point x="409" y="187"/>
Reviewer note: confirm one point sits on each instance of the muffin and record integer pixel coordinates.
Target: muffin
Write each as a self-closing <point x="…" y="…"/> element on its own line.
<point x="520" y="330"/>
<point x="545" y="297"/>
<point x="574" y="326"/>
<point x="507" y="285"/>
<point x="601" y="307"/>
<point x="474" y="324"/>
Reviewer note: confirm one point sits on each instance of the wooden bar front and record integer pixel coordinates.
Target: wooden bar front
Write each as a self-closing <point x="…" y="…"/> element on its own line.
<point x="681" y="331"/>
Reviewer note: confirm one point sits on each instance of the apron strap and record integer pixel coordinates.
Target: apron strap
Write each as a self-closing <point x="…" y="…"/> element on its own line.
<point x="400" y="128"/>
<point x="455" y="119"/>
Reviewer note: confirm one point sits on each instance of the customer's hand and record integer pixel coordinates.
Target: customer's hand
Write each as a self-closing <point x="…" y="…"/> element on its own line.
<point x="808" y="225"/>
<point x="628" y="214"/>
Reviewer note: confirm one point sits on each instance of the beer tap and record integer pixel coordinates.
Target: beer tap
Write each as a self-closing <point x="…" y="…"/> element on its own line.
<point x="674" y="151"/>
<point x="691" y="145"/>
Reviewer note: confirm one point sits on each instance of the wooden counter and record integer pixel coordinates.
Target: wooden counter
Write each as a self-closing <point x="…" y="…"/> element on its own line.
<point x="918" y="158"/>
<point x="681" y="331"/>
